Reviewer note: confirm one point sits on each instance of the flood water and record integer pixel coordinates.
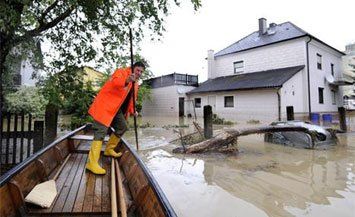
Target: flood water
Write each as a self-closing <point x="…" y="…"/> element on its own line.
<point x="263" y="179"/>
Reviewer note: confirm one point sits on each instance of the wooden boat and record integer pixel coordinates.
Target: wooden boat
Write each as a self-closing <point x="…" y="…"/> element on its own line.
<point x="128" y="188"/>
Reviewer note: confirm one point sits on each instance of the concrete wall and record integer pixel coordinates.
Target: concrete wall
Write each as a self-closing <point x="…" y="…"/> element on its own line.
<point x="259" y="104"/>
<point x="279" y="55"/>
<point x="292" y="94"/>
<point x="317" y="77"/>
<point x="165" y="101"/>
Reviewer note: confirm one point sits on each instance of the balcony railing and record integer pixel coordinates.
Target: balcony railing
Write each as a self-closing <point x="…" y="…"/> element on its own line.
<point x="172" y="79"/>
<point x="185" y="79"/>
<point x="340" y="80"/>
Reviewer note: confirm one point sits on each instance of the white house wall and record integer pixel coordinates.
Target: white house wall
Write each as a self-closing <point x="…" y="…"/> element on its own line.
<point x="259" y="105"/>
<point x="165" y="101"/>
<point x="317" y="76"/>
<point x="292" y="94"/>
<point x="279" y="55"/>
<point x="26" y="71"/>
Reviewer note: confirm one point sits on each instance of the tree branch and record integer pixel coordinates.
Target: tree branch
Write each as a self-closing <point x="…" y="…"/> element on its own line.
<point x="43" y="27"/>
<point x="41" y="19"/>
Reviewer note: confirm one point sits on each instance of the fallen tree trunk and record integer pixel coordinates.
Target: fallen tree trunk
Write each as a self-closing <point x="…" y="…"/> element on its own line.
<point x="227" y="141"/>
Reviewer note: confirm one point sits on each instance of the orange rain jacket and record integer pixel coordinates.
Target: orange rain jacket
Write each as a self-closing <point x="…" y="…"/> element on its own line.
<point x="111" y="96"/>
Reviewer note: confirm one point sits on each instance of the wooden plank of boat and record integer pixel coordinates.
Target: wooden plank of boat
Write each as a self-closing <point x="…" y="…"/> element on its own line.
<point x="44" y="193"/>
<point x="80" y="192"/>
<point x="87" y="137"/>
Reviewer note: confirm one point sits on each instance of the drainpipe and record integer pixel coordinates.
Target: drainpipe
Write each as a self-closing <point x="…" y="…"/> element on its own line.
<point x="309" y="80"/>
<point x="279" y="102"/>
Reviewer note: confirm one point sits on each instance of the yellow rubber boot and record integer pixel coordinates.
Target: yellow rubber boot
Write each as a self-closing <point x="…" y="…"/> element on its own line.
<point x="111" y="145"/>
<point x="94" y="156"/>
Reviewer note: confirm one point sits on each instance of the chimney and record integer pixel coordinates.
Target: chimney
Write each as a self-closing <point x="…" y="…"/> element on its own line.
<point x="262" y="26"/>
<point x="210" y="64"/>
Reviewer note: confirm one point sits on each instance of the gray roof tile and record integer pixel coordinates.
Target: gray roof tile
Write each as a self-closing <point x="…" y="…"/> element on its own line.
<point x="281" y="32"/>
<point x="262" y="79"/>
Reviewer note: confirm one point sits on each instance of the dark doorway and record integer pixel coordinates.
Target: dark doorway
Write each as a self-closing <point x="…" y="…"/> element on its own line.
<point x="181" y="106"/>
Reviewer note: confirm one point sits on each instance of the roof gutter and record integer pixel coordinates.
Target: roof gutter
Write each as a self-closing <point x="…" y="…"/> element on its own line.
<point x="308" y="78"/>
<point x="229" y="90"/>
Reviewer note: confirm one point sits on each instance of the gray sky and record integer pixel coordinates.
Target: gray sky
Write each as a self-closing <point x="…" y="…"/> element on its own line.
<point x="220" y="23"/>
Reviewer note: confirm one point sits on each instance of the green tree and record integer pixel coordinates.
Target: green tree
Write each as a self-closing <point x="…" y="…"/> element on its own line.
<point x="79" y="31"/>
<point x="67" y="90"/>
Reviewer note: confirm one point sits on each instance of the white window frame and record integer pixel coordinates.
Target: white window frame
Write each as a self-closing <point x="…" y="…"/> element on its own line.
<point x="239" y="69"/>
<point x="334" y="99"/>
<point x="321" y="95"/>
<point x="225" y="105"/>
<point x="332" y="69"/>
<point x="200" y="105"/>
<point x="319" y="61"/>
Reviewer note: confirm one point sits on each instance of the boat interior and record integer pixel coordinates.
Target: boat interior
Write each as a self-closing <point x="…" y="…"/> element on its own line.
<point x="127" y="188"/>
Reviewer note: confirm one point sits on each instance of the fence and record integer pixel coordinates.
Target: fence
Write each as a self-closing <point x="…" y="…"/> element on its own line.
<point x="20" y="137"/>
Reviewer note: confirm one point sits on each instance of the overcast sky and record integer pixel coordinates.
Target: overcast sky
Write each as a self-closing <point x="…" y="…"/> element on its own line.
<point x="220" y="23"/>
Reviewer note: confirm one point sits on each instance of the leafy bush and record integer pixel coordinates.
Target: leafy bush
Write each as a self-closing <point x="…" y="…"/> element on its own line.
<point x="27" y="100"/>
<point x="252" y="121"/>
<point x="222" y="121"/>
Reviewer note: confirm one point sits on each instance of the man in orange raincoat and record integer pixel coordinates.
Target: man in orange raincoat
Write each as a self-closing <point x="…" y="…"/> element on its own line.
<point x="111" y="107"/>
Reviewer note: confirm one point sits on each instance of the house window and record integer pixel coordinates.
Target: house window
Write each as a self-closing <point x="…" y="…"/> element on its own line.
<point x="332" y="69"/>
<point x="238" y="67"/>
<point x="228" y="101"/>
<point x="321" y="95"/>
<point x="319" y="61"/>
<point x="197" y="102"/>
<point x="333" y="97"/>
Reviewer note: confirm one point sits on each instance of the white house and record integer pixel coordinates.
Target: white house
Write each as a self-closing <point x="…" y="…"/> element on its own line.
<point x="23" y="66"/>
<point x="168" y="96"/>
<point x="277" y="66"/>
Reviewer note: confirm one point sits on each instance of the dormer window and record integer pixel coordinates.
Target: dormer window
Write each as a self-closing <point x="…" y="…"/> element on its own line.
<point x="238" y="67"/>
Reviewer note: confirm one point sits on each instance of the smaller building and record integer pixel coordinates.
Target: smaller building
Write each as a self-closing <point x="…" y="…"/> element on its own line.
<point x="349" y="71"/>
<point x="93" y="76"/>
<point x="250" y="96"/>
<point x="87" y="74"/>
<point x="24" y="67"/>
<point x="168" y="96"/>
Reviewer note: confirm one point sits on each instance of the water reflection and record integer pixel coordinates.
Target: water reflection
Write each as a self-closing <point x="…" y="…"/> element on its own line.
<point x="264" y="179"/>
<point x="284" y="178"/>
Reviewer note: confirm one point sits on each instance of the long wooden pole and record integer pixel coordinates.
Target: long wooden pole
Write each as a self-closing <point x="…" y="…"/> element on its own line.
<point x="61" y="167"/>
<point x="123" y="206"/>
<point x="113" y="190"/>
<point x="133" y="84"/>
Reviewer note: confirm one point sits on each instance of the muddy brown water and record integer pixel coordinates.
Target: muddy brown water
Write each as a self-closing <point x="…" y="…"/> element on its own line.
<point x="263" y="179"/>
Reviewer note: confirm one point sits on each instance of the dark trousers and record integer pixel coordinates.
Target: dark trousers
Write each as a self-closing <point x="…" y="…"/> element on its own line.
<point x="118" y="125"/>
